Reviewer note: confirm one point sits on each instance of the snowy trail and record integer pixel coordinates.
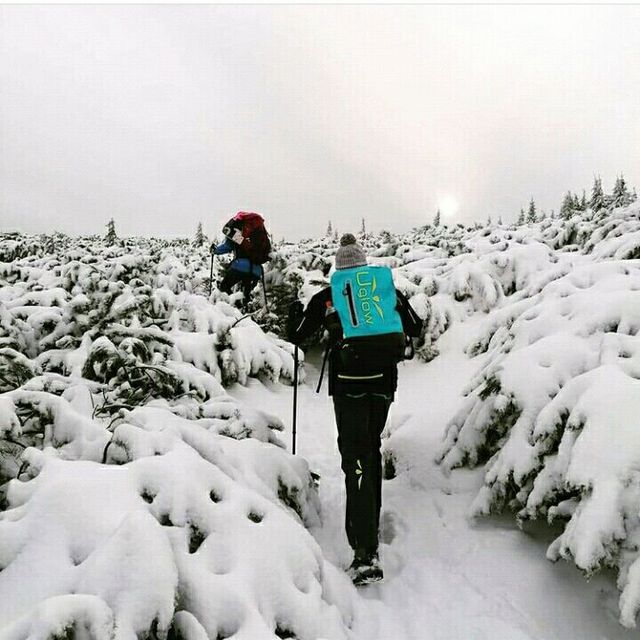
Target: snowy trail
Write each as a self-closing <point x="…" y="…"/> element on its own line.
<point x="446" y="576"/>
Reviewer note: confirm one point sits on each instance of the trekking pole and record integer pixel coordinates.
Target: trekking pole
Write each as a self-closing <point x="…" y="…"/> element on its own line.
<point x="211" y="276"/>
<point x="295" y="395"/>
<point x="264" y="292"/>
<point x="324" y="364"/>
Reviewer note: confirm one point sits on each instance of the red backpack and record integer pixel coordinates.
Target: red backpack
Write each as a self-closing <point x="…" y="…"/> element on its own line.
<point x="255" y="244"/>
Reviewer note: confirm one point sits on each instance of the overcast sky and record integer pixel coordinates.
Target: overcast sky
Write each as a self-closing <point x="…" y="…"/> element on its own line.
<point x="161" y="116"/>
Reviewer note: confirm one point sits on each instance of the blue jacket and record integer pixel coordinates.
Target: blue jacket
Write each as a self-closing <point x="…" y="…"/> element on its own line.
<point x="243" y="265"/>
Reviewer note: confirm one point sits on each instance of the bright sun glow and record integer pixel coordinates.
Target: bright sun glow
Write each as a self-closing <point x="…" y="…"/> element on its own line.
<point x="448" y="206"/>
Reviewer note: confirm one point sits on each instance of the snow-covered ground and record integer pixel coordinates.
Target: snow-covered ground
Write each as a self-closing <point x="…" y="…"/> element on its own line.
<point x="446" y="575"/>
<point x="146" y="490"/>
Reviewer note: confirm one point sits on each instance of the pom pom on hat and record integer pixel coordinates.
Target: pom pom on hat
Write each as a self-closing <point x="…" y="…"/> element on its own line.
<point x="348" y="238"/>
<point x="350" y="253"/>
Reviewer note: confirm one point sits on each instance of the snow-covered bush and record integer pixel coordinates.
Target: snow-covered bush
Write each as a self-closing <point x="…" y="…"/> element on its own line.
<point x="137" y="498"/>
<point x="128" y="323"/>
<point x="198" y="535"/>
<point x="119" y="442"/>
<point x="553" y="413"/>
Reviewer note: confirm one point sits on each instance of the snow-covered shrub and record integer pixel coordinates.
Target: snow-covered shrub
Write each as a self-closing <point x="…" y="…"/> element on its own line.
<point x="118" y="445"/>
<point x="617" y="235"/>
<point x="553" y="413"/>
<point x="191" y="534"/>
<point x="127" y="322"/>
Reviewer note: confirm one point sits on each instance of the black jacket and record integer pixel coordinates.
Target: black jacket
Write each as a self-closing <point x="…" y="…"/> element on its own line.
<point x="344" y="380"/>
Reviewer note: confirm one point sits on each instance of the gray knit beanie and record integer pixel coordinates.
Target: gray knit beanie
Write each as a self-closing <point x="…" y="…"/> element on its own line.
<point x="350" y="253"/>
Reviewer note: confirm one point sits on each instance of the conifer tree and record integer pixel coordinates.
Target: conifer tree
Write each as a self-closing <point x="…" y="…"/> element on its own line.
<point x="112" y="236"/>
<point x="521" y="217"/>
<point x="336" y="237"/>
<point x="436" y="219"/>
<point x="583" y="201"/>
<point x="329" y="229"/>
<point x="363" y="228"/>
<point x="621" y="196"/>
<point x="597" y="201"/>
<point x="531" y="213"/>
<point x="50" y="244"/>
<point x="568" y="206"/>
<point x="200" y="239"/>
<point x="576" y="202"/>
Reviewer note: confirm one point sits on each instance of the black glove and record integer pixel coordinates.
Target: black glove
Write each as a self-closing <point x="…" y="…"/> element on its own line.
<point x="409" y="349"/>
<point x="296" y="309"/>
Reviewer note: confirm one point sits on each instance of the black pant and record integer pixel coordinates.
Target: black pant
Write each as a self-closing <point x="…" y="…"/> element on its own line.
<point x="232" y="277"/>
<point x="360" y="421"/>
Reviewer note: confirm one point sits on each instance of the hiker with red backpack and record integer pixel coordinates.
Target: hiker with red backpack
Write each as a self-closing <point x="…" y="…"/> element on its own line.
<point x="369" y="323"/>
<point x="247" y="237"/>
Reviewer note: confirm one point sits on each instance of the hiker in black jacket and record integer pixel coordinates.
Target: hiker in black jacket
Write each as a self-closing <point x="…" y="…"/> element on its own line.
<point x="363" y="389"/>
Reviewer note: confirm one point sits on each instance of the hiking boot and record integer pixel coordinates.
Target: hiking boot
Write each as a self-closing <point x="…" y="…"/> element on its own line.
<point x="365" y="569"/>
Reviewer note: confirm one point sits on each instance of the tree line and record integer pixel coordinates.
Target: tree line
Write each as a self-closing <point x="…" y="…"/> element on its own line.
<point x="572" y="203"/>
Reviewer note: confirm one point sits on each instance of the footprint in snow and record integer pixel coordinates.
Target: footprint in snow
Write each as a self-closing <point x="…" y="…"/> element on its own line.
<point x="389" y="527"/>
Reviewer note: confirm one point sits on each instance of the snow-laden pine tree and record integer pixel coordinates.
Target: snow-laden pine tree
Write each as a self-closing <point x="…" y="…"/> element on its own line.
<point x="363" y="228"/>
<point x="567" y="206"/>
<point x="200" y="237"/>
<point x="436" y="219"/>
<point x="521" y="218"/>
<point x="329" y="232"/>
<point x="111" y="237"/>
<point x="531" y="212"/>
<point x="621" y="196"/>
<point x="597" y="201"/>
<point x="576" y="202"/>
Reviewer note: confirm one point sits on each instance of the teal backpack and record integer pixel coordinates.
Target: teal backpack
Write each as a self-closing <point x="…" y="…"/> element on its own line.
<point x="365" y="299"/>
<point x="372" y="335"/>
